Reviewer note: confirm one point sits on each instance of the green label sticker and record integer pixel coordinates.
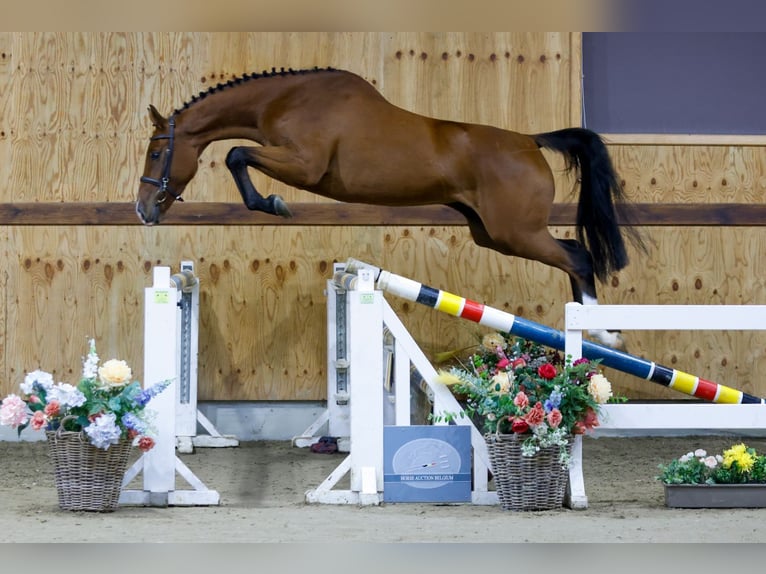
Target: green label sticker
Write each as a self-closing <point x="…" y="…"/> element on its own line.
<point x="366" y="298"/>
<point x="162" y="297"/>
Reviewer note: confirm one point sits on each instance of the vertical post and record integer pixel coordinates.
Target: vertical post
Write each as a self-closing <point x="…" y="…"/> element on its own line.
<point x="159" y="341"/>
<point x="575" y="496"/>
<point x="187" y="351"/>
<point x="365" y="345"/>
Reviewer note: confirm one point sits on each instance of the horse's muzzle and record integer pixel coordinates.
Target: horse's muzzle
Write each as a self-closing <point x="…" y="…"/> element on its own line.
<point x="150" y="218"/>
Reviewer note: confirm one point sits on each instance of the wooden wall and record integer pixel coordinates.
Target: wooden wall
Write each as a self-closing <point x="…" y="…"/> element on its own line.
<point x="73" y="129"/>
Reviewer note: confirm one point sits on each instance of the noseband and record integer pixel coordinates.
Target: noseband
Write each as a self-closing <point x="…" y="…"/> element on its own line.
<point x="162" y="184"/>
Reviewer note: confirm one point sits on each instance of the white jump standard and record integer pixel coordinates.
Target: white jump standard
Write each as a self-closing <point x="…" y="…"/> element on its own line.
<point x="163" y="331"/>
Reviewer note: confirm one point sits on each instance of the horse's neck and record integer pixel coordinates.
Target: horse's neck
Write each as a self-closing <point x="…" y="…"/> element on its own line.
<point x="231" y="113"/>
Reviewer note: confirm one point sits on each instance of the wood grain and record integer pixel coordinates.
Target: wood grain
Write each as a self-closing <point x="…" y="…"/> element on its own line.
<point x="75" y="259"/>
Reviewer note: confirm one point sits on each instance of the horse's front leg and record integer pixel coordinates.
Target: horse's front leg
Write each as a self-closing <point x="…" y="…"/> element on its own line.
<point x="238" y="160"/>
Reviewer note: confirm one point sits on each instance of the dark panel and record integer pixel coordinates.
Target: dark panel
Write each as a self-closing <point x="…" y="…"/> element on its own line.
<point x="674" y="83"/>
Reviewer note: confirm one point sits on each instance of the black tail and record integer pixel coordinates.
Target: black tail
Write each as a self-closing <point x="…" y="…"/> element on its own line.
<point x="601" y="197"/>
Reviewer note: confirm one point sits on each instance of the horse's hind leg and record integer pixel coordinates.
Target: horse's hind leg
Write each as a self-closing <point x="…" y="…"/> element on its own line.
<point x="238" y="160"/>
<point x="584" y="289"/>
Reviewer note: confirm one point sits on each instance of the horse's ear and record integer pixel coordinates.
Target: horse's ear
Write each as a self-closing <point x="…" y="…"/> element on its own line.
<point x="157" y="120"/>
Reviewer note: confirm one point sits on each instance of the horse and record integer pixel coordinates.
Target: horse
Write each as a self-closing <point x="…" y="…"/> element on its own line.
<point x="330" y="132"/>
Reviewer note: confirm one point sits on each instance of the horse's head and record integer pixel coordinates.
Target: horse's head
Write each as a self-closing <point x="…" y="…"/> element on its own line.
<point x="171" y="162"/>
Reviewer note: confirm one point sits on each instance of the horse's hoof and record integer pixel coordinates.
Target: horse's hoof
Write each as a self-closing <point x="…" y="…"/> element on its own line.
<point x="613" y="339"/>
<point x="280" y="207"/>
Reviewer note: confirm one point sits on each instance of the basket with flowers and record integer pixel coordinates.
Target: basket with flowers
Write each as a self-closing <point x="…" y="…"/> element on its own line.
<point x="90" y="427"/>
<point x="530" y="401"/>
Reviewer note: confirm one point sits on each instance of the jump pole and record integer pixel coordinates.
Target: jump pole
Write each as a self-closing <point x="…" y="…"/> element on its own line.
<point x="508" y="323"/>
<point x="163" y="321"/>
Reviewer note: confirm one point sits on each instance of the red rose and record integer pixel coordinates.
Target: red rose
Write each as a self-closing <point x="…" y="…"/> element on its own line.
<point x="536" y="415"/>
<point x="519" y="426"/>
<point x="146" y="443"/>
<point x="546" y="371"/>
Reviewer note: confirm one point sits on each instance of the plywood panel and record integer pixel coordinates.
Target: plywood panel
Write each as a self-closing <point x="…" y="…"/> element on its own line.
<point x="692" y="174"/>
<point x="73" y="128"/>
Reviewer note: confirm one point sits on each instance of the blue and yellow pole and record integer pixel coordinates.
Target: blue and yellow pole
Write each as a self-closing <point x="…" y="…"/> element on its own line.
<point x="508" y="323"/>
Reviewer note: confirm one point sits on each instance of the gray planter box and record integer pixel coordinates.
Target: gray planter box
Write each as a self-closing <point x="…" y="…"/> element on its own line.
<point x="715" y="495"/>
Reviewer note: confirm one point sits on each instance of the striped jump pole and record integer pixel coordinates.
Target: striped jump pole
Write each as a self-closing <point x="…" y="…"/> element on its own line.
<point x="508" y="323"/>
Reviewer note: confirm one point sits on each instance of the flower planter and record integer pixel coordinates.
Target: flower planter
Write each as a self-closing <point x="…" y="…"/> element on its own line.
<point x="715" y="495"/>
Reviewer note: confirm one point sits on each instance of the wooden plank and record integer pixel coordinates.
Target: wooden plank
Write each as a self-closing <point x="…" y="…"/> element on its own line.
<point x="352" y="214"/>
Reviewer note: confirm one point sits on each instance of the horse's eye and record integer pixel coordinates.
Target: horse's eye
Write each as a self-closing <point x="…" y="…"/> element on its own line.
<point x="155" y="155"/>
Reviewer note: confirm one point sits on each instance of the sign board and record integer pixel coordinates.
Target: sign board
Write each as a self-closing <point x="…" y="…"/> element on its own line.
<point x="424" y="463"/>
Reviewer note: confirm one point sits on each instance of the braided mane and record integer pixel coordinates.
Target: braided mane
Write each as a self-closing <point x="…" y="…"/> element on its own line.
<point x="246" y="78"/>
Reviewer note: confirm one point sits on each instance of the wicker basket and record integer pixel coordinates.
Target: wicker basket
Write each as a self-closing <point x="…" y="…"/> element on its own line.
<point x="526" y="482"/>
<point x="87" y="477"/>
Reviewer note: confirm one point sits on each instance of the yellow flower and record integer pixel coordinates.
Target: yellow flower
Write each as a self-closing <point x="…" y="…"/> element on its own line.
<point x="491" y="341"/>
<point x="114" y="373"/>
<point x="738" y="453"/>
<point x="446" y="378"/>
<point x="501" y="383"/>
<point x="600" y="388"/>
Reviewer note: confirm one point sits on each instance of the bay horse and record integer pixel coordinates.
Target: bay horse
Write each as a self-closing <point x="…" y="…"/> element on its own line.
<point x="330" y="132"/>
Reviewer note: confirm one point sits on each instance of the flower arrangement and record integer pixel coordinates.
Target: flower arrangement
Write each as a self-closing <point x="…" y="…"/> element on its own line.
<point x="106" y="405"/>
<point x="736" y="465"/>
<point x="513" y="385"/>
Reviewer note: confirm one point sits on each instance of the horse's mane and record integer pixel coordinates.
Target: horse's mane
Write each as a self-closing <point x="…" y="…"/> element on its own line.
<point x="246" y="78"/>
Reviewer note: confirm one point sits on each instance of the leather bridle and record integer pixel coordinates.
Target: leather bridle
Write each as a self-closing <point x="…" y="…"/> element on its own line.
<point x="162" y="183"/>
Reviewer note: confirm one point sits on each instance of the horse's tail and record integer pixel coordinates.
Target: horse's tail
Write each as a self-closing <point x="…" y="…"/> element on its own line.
<point x="601" y="197"/>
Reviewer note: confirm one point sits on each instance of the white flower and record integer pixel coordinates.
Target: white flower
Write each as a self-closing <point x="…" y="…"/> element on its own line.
<point x="67" y="395"/>
<point x="687" y="457"/>
<point x="104" y="431"/>
<point x="45" y="380"/>
<point x="90" y="364"/>
<point x="710" y="461"/>
<point x="491" y="342"/>
<point x="115" y="373"/>
<point x="700" y="453"/>
<point x="600" y="388"/>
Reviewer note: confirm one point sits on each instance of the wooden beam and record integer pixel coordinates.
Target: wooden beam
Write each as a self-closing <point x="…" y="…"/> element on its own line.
<point x="352" y="214"/>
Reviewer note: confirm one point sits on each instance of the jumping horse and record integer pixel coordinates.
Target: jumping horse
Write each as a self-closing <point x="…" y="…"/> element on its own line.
<point x="330" y="132"/>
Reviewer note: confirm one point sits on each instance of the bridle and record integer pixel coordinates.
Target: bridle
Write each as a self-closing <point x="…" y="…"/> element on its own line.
<point x="162" y="183"/>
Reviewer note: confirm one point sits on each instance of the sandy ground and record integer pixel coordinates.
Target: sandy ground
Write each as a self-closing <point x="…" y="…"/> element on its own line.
<point x="262" y="487"/>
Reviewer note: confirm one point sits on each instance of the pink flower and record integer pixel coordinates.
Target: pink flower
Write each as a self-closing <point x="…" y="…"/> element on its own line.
<point x="536" y="415"/>
<point x="589" y="422"/>
<point x="554" y="418"/>
<point x="39" y="420"/>
<point x="13" y="411"/>
<point x="52" y="409"/>
<point x="518" y="363"/>
<point x="521" y="400"/>
<point x="33" y="399"/>
<point x="503" y="363"/>
<point x="580" y="361"/>
<point x="546" y="371"/>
